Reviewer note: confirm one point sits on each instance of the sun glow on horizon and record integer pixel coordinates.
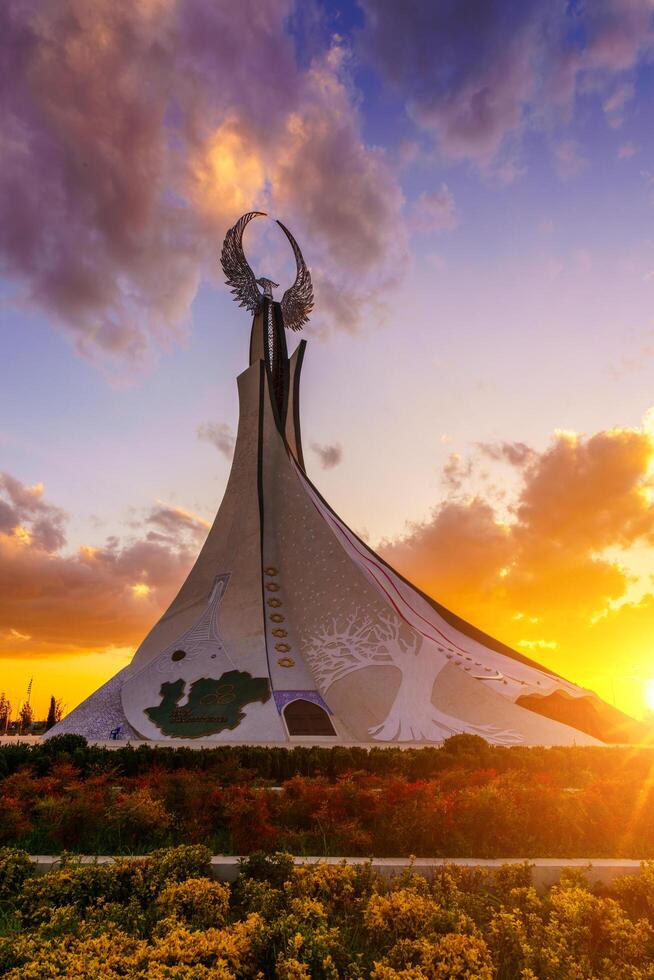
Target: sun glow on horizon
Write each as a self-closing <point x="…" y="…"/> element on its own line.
<point x="649" y="693"/>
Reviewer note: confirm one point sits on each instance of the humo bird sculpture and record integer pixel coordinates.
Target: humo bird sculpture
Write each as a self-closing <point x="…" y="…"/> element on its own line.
<point x="297" y="301"/>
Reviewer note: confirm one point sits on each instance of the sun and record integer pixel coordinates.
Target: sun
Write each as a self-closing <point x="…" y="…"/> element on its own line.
<point x="649" y="693"/>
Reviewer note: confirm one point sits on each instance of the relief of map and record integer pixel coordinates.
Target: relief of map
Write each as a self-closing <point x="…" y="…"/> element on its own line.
<point x="213" y="705"/>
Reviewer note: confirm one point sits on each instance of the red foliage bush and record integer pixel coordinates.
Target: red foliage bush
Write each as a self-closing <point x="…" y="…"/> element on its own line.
<point x="460" y="810"/>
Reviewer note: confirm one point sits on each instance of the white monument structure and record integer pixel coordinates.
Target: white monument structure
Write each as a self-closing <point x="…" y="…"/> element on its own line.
<point x="290" y="629"/>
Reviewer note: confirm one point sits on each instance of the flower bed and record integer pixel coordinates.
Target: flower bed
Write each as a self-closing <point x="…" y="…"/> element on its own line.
<point x="466" y="799"/>
<point x="164" y="917"/>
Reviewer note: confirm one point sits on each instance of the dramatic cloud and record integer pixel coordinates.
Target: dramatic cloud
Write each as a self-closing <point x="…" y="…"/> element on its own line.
<point x="53" y="603"/>
<point x="133" y="134"/>
<point x="342" y="194"/>
<point x="172" y="523"/>
<point x="25" y="515"/>
<point x="547" y="576"/>
<point x="476" y="75"/>
<point x="329" y="456"/>
<point x="514" y="453"/>
<point x="220" y="435"/>
<point x="460" y="550"/>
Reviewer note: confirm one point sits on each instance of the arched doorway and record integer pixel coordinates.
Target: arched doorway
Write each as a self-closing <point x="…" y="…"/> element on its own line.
<point x="307" y="718"/>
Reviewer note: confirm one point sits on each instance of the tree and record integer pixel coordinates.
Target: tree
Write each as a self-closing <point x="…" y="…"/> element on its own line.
<point x="354" y="642"/>
<point x="55" y="712"/>
<point x="25" y="718"/>
<point x="5" y="713"/>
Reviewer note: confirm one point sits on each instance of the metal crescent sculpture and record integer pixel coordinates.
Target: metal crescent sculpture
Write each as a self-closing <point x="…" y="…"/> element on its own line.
<point x="297" y="301"/>
<point x="237" y="271"/>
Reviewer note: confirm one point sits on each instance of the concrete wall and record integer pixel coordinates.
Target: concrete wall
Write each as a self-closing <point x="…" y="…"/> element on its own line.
<point x="545" y="871"/>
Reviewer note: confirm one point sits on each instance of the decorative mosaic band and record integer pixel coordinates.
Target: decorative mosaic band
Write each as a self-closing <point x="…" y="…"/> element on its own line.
<point x="282" y="698"/>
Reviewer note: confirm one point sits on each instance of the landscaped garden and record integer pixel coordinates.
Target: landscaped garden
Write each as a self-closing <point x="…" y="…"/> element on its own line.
<point x="164" y="916"/>
<point x="464" y="799"/>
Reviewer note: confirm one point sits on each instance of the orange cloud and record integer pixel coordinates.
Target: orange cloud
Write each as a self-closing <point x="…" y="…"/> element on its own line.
<point x="542" y="572"/>
<point x="53" y="603"/>
<point x="227" y="174"/>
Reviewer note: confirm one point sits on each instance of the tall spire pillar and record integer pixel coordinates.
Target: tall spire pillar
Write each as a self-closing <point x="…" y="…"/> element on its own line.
<point x="268" y="344"/>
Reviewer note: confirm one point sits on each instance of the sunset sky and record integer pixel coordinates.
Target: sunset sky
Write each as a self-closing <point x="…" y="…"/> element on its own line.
<point x="472" y="184"/>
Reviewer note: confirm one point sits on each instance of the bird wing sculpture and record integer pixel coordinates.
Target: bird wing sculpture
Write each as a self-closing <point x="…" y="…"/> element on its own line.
<point x="297" y="301"/>
<point x="237" y="271"/>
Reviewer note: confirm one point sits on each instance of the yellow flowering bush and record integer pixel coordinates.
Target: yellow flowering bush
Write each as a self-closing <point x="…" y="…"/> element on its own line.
<point x="199" y="903"/>
<point x="340" y="886"/>
<point x="233" y="948"/>
<point x="165" y="917"/>
<point x="463" y="957"/>
<point x="406" y="914"/>
<point x="591" y="936"/>
<point x="103" y="956"/>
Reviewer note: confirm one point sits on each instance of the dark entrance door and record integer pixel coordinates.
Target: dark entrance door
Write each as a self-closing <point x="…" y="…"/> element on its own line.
<point x="306" y="718"/>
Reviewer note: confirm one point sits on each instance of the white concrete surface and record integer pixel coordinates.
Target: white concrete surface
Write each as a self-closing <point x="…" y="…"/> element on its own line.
<point x="545" y="871"/>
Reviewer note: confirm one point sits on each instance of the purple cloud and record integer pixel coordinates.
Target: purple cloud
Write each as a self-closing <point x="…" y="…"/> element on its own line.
<point x="475" y="75"/>
<point x="220" y="435"/>
<point x="125" y="159"/>
<point x="329" y="456"/>
<point x="515" y="453"/>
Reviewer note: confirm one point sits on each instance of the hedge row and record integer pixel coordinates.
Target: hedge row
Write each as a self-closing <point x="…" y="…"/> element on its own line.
<point x="60" y="799"/>
<point x="238" y="763"/>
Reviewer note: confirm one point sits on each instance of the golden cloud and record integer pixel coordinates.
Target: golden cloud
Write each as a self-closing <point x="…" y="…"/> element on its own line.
<point x="547" y="578"/>
<point x="52" y="603"/>
<point x="227" y="173"/>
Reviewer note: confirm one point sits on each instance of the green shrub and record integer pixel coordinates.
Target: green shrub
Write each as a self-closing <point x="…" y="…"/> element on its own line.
<point x="63" y="744"/>
<point x="275" y="868"/>
<point x="15" y="869"/>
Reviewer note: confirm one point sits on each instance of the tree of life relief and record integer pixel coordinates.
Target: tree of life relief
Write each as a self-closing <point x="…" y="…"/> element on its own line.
<point x="213" y="705"/>
<point x="358" y="641"/>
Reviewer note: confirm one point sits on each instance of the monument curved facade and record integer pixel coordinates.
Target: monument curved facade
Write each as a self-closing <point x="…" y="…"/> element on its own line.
<point x="290" y="629"/>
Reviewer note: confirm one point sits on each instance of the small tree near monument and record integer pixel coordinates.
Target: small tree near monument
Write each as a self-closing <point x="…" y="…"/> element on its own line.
<point x="5" y="713"/>
<point x="25" y="718"/>
<point x="55" y="712"/>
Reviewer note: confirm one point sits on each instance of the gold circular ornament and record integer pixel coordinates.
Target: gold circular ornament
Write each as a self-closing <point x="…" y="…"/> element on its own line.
<point x="275" y="603"/>
<point x="286" y="662"/>
<point x="279" y="632"/>
<point x="271" y="570"/>
<point x="224" y="695"/>
<point x="272" y="586"/>
<point x="277" y="617"/>
<point x="282" y="647"/>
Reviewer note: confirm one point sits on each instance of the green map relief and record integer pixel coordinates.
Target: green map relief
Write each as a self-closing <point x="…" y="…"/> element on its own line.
<point x="213" y="705"/>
